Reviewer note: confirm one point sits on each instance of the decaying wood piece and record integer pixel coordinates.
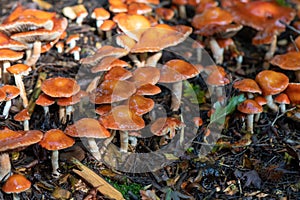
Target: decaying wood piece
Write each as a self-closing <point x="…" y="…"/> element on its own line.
<point x="96" y="181"/>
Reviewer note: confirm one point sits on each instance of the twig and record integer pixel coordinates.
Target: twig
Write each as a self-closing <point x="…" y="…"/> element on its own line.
<point x="289" y="26"/>
<point x="281" y="115"/>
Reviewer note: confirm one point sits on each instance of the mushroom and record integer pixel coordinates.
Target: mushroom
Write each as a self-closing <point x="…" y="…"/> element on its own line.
<point x="8" y="43"/>
<point x="267" y="17"/>
<point x="123" y="119"/>
<point x="136" y="8"/>
<point x="271" y="83"/>
<point x="217" y="79"/>
<point x="76" y="52"/>
<point x="247" y="85"/>
<point x="23" y="116"/>
<point x="55" y="140"/>
<point x="16" y="184"/>
<point x="288" y="61"/>
<point x="107" y="26"/>
<point x="282" y="99"/>
<point x="175" y="71"/>
<point x="90" y="129"/>
<point x="59" y="87"/>
<point x="148" y="89"/>
<point x="7" y="56"/>
<point x="164" y="13"/>
<point x="11" y="93"/>
<point x="20" y="70"/>
<point x="250" y="107"/>
<point x="181" y="7"/>
<point x="117" y="73"/>
<point x="100" y="14"/>
<point x="140" y="105"/>
<point x="145" y="75"/>
<point x="45" y="101"/>
<point x="71" y="41"/>
<point x="80" y="12"/>
<point x="11" y="140"/>
<point x="163" y="126"/>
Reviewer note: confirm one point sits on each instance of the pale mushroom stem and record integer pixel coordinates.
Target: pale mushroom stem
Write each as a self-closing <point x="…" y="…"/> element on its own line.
<point x="282" y="107"/>
<point x="216" y="50"/>
<point x="94" y="149"/>
<point x="5" y="165"/>
<point x="257" y="116"/>
<point x="250" y="122"/>
<point x="124" y="141"/>
<point x="6" y="108"/>
<point x="26" y="125"/>
<point x="20" y="85"/>
<point x="76" y="55"/>
<point x="106" y="142"/>
<point x="69" y="111"/>
<point x="37" y="46"/>
<point x="62" y="114"/>
<point x="133" y="141"/>
<point x="135" y="60"/>
<point x="16" y="196"/>
<point x="54" y="162"/>
<point x="182" y="12"/>
<point x="46" y="110"/>
<point x="5" y="76"/>
<point x="153" y="60"/>
<point x="272" y="49"/>
<point x="270" y="103"/>
<point x="176" y="95"/>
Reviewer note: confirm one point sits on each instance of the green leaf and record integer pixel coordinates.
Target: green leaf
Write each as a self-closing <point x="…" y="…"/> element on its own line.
<point x="221" y="111"/>
<point x="282" y="2"/>
<point x="193" y="93"/>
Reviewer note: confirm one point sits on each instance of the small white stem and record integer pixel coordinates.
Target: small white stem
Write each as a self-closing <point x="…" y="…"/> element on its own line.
<point x="133" y="141"/>
<point x="124" y="141"/>
<point x="55" y="164"/>
<point x="272" y="49"/>
<point x="69" y="111"/>
<point x="94" y="149"/>
<point x="153" y="60"/>
<point x="46" y="110"/>
<point x="6" y="108"/>
<point x="182" y="12"/>
<point x="26" y="125"/>
<point x="16" y="196"/>
<point x="257" y="116"/>
<point x="20" y="85"/>
<point x="176" y="95"/>
<point x="76" y="55"/>
<point x="62" y="114"/>
<point x="216" y="50"/>
<point x="282" y="107"/>
<point x="250" y="123"/>
<point x="5" y="165"/>
<point x="37" y="46"/>
<point x="270" y="103"/>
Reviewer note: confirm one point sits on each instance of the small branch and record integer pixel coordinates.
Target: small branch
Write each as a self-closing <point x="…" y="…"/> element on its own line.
<point x="281" y="115"/>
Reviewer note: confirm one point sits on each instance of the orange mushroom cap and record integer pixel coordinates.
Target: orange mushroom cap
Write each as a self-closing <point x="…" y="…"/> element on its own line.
<point x="282" y="98"/>
<point x="262" y="15"/>
<point x="247" y="85"/>
<point x="250" y="106"/>
<point x="56" y="139"/>
<point x="169" y="36"/>
<point x="271" y="82"/>
<point x="10" y="91"/>
<point x="45" y="100"/>
<point x="293" y="92"/>
<point x="60" y="87"/>
<point x="165" y="13"/>
<point x="16" y="183"/>
<point x="118" y="73"/>
<point x="163" y="126"/>
<point x="260" y="100"/>
<point x="122" y="118"/>
<point x="12" y="140"/>
<point x="287" y="61"/>
<point x="100" y="14"/>
<point x="144" y="75"/>
<point x="140" y="105"/>
<point x="8" y="43"/>
<point x="10" y="55"/>
<point x="18" y="68"/>
<point x="22" y="115"/>
<point x="177" y="70"/>
<point x="87" y="127"/>
<point x="112" y="91"/>
<point x="138" y="8"/>
<point x="148" y="89"/>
